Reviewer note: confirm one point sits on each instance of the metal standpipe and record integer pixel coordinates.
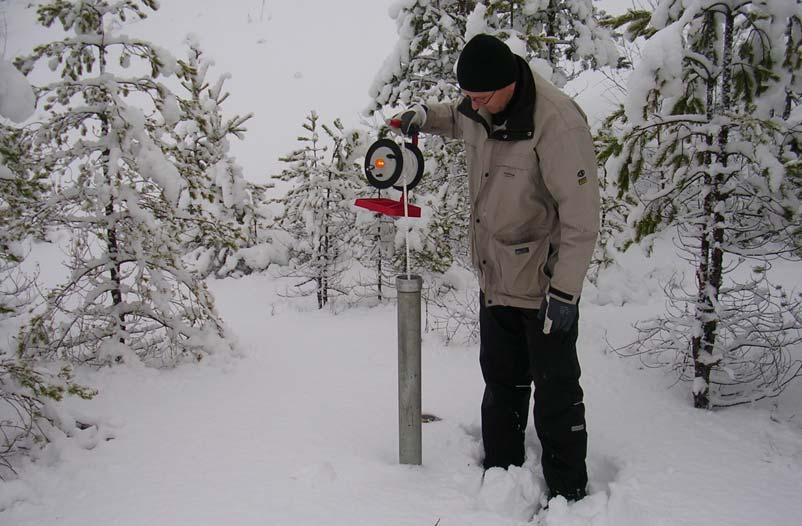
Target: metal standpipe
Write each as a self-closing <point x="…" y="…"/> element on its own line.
<point x="409" y="368"/>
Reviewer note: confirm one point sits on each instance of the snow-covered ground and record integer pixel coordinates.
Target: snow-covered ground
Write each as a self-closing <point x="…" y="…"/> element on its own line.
<point x="301" y="428"/>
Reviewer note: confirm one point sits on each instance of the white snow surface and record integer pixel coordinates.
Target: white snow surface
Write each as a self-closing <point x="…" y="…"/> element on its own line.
<point x="16" y="95"/>
<point x="300" y="427"/>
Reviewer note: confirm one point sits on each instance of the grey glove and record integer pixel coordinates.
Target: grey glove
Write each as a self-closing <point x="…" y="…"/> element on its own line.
<point x="409" y="122"/>
<point x="556" y="314"/>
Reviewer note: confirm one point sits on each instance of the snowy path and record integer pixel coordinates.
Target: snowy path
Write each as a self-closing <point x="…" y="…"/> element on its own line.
<point x="302" y="431"/>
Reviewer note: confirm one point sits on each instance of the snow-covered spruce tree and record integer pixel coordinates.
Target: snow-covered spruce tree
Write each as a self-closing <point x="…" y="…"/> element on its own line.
<point x="370" y="241"/>
<point x="439" y="240"/>
<point x="421" y="65"/>
<point x="708" y="148"/>
<point x="28" y="389"/>
<point x="264" y="243"/>
<point x="421" y="69"/>
<point x="374" y="244"/>
<point x="442" y="244"/>
<point x="375" y="250"/>
<point x="563" y="36"/>
<point x="219" y="212"/>
<point x="127" y="295"/>
<point x="614" y="232"/>
<point x="21" y="190"/>
<point x="317" y="212"/>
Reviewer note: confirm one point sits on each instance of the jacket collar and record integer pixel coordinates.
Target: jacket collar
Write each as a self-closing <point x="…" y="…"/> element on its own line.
<point x="520" y="122"/>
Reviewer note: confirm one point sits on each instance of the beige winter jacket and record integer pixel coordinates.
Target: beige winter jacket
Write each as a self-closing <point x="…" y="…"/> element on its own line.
<point x="534" y="192"/>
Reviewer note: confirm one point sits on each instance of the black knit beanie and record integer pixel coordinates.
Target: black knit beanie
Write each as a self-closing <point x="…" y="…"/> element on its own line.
<point x="486" y="64"/>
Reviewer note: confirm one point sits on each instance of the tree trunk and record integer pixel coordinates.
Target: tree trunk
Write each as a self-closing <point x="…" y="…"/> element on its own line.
<point x="701" y="387"/>
<point x="380" y="271"/>
<point x="704" y="305"/>
<point x="713" y="234"/>
<point x="379" y="247"/>
<point x="327" y="256"/>
<point x="789" y="57"/>
<point x="551" y="30"/>
<point x="112" y="243"/>
<point x="116" y="291"/>
<point x="466" y="6"/>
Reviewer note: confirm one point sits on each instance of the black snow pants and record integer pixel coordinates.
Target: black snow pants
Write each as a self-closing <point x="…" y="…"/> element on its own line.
<point x="514" y="353"/>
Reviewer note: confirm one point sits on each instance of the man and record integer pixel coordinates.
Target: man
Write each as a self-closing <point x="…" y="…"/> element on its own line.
<point x="535" y="218"/>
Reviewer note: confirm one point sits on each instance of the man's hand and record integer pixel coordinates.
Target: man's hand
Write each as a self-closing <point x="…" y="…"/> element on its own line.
<point x="557" y="315"/>
<point x="409" y="122"/>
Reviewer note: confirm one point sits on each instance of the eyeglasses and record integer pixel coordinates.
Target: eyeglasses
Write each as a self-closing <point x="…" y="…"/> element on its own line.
<point x="484" y="100"/>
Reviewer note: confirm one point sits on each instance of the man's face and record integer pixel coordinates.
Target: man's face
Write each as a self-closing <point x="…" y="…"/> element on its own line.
<point x="493" y="101"/>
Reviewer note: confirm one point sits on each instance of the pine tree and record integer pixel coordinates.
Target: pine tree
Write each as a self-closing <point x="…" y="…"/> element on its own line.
<point x="614" y="233"/>
<point x="21" y="190"/>
<point x="28" y="389"/>
<point x="564" y="36"/>
<point x="708" y="148"/>
<point x="420" y="69"/>
<point x="128" y="295"/>
<point x="367" y="237"/>
<point x="219" y="211"/>
<point x="375" y="250"/>
<point x="263" y="242"/>
<point x="421" y="66"/>
<point x="28" y="394"/>
<point x="317" y="210"/>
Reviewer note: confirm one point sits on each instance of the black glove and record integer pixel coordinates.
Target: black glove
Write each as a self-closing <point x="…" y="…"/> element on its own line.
<point x="556" y="315"/>
<point x="410" y="121"/>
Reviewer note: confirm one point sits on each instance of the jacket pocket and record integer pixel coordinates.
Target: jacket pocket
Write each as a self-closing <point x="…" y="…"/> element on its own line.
<point x="511" y="168"/>
<point x="521" y="268"/>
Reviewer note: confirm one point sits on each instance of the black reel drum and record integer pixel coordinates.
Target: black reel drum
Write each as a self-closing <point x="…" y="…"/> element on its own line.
<point x="388" y="164"/>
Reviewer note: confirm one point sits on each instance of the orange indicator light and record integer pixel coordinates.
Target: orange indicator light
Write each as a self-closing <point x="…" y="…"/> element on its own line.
<point x="379" y="163"/>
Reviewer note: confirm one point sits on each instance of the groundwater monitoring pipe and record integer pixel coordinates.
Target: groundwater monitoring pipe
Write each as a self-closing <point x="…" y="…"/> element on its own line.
<point x="409" y="368"/>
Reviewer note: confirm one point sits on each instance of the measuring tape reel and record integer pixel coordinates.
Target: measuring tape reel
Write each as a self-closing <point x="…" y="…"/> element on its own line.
<point x="389" y="164"/>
